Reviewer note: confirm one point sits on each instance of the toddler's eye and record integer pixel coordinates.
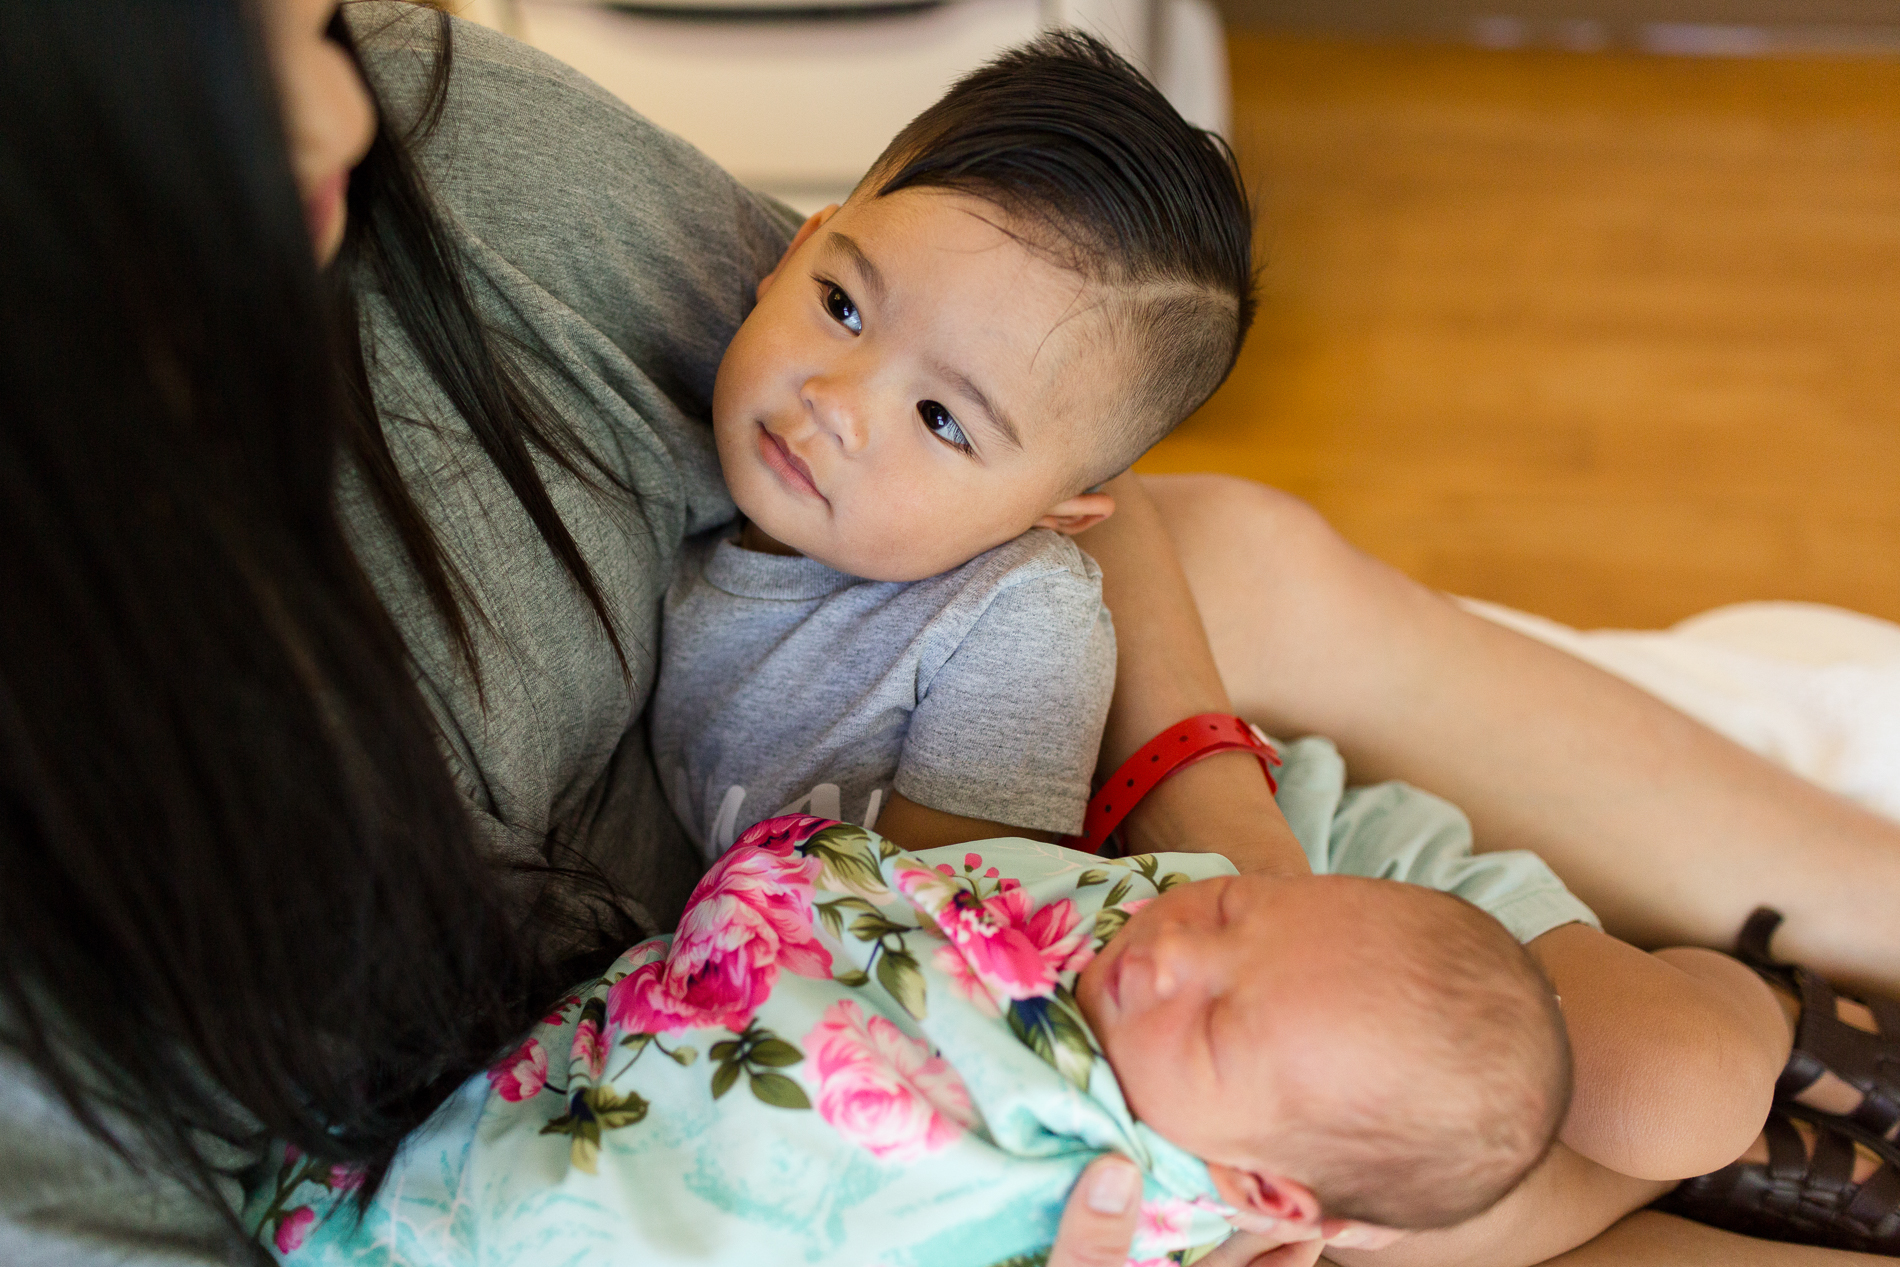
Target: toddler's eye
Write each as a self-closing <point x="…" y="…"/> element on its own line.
<point x="939" y="423"/>
<point x="842" y="310"/>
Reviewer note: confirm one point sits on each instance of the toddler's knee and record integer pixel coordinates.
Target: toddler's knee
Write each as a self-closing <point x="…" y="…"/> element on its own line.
<point x="1707" y="1093"/>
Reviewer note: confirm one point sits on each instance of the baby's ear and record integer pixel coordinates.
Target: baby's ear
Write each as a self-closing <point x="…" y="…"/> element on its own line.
<point x="1078" y="513"/>
<point x="1269" y="1204"/>
<point x="805" y="230"/>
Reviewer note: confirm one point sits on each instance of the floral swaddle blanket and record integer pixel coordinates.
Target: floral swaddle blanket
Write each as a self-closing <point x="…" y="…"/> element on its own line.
<point x="847" y="1054"/>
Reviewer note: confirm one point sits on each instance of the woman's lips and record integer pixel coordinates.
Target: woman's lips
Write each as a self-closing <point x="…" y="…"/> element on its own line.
<point x="787" y="465"/>
<point x="324" y="203"/>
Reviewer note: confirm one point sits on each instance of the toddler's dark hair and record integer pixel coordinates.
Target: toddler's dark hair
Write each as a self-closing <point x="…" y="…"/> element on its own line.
<point x="1091" y="164"/>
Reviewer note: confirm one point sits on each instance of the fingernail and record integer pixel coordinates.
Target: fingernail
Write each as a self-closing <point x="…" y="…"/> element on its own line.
<point x="1113" y="1188"/>
<point x="1347" y="1236"/>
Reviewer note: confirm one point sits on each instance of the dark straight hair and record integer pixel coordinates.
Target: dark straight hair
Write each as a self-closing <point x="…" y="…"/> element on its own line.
<point x="398" y="244"/>
<point x="241" y="893"/>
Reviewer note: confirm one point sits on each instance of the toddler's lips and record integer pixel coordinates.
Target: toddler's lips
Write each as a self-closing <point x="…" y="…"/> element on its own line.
<point x="785" y="464"/>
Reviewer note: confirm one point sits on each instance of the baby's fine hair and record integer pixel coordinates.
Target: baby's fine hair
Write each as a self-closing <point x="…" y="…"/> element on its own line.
<point x="1092" y="166"/>
<point x="1466" y="1074"/>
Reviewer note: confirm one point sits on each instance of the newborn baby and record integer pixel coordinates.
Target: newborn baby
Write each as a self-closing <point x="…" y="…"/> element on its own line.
<point x="852" y="1054"/>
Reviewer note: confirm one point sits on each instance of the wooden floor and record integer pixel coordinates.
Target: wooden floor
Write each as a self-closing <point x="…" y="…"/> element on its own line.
<point x="1607" y="337"/>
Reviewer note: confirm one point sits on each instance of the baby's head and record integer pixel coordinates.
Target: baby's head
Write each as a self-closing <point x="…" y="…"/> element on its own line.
<point x="1044" y="273"/>
<point x="1334" y="1048"/>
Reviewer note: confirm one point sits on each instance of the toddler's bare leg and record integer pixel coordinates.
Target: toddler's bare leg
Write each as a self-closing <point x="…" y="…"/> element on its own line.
<point x="1570" y="1213"/>
<point x="1676" y="1053"/>
<point x="1562" y="1204"/>
<point x="1649" y="1239"/>
<point x="1670" y="832"/>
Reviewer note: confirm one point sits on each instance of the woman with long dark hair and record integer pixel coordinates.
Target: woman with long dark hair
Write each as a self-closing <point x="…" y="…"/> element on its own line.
<point x="346" y="445"/>
<point x="249" y="822"/>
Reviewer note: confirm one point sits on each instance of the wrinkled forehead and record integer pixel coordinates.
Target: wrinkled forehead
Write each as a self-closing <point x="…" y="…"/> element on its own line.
<point x="979" y="295"/>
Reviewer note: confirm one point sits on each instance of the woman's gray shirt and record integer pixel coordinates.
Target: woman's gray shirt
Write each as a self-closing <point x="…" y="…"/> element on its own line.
<point x="623" y="260"/>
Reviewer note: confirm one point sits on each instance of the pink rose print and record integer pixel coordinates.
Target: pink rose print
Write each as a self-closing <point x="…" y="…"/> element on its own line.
<point x="1163" y="1225"/>
<point x="346" y="1178"/>
<point x="781" y="834"/>
<point x="749" y="917"/>
<point x="963" y="979"/>
<point x="881" y="1088"/>
<point x="590" y="1049"/>
<point x="294" y="1227"/>
<point x="1012" y="948"/>
<point x="522" y="1073"/>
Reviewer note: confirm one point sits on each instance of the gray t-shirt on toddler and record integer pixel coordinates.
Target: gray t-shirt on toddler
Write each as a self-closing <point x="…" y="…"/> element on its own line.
<point x="788" y="687"/>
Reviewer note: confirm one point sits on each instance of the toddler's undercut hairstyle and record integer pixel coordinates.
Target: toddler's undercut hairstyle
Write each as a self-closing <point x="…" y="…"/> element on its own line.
<point x="1092" y="166"/>
<point x="1463" y="1073"/>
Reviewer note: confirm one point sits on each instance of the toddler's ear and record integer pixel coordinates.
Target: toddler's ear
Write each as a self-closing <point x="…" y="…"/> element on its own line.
<point x="805" y="230"/>
<point x="1078" y="513"/>
<point x="1271" y="1205"/>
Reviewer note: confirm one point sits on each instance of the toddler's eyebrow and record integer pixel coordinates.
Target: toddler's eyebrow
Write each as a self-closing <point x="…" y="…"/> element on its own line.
<point x="845" y="244"/>
<point x="965" y="384"/>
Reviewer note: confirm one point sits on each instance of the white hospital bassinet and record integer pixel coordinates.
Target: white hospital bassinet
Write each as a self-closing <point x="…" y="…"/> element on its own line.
<point x="798" y="97"/>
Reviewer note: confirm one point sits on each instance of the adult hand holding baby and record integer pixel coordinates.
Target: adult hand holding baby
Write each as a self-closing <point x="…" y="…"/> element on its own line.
<point x="1098" y="1224"/>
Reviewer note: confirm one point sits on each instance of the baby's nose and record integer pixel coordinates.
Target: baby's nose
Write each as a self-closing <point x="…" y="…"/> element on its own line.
<point x="1174" y="961"/>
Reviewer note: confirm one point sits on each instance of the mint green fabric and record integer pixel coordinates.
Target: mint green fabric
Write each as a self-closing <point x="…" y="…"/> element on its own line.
<point x="847" y="1055"/>
<point x="1393" y="831"/>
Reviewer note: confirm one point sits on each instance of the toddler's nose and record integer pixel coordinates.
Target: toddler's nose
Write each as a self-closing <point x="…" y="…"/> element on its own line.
<point x="839" y="410"/>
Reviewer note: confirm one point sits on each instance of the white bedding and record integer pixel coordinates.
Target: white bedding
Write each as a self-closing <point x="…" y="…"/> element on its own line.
<point x="1814" y="688"/>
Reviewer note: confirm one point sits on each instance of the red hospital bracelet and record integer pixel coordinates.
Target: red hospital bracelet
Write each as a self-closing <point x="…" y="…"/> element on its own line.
<point x="1173" y="749"/>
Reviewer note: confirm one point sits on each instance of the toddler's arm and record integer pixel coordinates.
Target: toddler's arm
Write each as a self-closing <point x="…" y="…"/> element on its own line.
<point x="917" y="826"/>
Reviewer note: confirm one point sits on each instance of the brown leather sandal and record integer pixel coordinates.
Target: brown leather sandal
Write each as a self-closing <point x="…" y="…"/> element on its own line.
<point x="1810" y="1199"/>
<point x="1824" y="1043"/>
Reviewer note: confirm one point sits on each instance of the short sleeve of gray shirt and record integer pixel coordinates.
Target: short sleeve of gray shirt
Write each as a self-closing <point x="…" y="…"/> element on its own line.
<point x="1007" y="728"/>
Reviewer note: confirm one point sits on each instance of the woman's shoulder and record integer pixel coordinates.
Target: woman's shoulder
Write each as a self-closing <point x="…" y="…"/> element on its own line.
<point x="636" y="231"/>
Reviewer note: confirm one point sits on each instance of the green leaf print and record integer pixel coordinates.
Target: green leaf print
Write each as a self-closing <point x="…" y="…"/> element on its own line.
<point x="1094" y="875"/>
<point x="1108" y="922"/>
<point x="852" y="977"/>
<point x="615" y="1111"/>
<point x="1038" y="1259"/>
<point x="850" y="863"/>
<point x="897" y="972"/>
<point x="1051" y="1029"/>
<point x="590" y="1112"/>
<point x="1169" y="880"/>
<point x="779" y="1091"/>
<point x="873" y="926"/>
<point x="756" y="1053"/>
<point x="775" y="1052"/>
<point x="1117" y="894"/>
